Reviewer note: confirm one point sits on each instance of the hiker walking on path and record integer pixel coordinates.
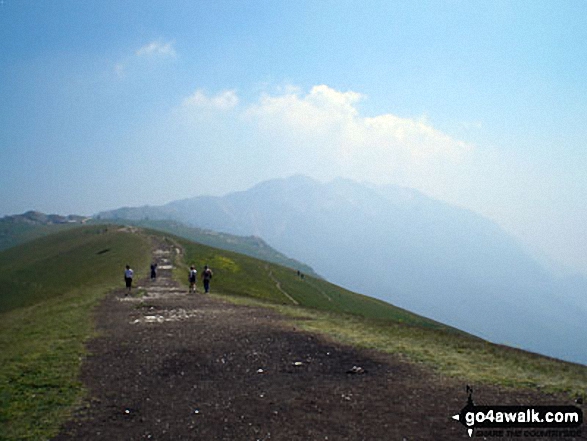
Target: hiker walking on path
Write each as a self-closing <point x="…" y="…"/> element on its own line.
<point x="153" y="271"/>
<point x="128" y="275"/>
<point x="192" y="278"/>
<point x="206" y="277"/>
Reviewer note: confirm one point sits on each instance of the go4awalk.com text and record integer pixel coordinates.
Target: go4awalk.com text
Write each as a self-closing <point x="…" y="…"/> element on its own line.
<point x="521" y="421"/>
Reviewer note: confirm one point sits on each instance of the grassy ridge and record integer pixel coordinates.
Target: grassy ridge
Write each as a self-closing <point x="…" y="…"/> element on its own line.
<point x="15" y="233"/>
<point x="248" y="245"/>
<point x="42" y="344"/>
<point x="58" y="263"/>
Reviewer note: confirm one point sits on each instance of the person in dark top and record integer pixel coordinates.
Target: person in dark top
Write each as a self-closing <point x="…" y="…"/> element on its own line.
<point x="153" y="271"/>
<point x="206" y="277"/>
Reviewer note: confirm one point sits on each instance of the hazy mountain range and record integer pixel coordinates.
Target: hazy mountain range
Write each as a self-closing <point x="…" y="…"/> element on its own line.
<point x="401" y="246"/>
<point x="38" y="218"/>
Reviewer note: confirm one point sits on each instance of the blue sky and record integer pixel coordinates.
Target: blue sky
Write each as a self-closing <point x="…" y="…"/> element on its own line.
<point x="478" y="103"/>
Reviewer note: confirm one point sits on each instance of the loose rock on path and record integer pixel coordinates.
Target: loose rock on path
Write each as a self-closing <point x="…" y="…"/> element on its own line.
<point x="176" y="366"/>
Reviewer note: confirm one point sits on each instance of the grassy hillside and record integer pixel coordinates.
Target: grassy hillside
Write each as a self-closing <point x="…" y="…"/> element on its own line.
<point x="15" y="233"/>
<point x="49" y="289"/>
<point x="250" y="245"/>
<point x="236" y="274"/>
<point x="58" y="263"/>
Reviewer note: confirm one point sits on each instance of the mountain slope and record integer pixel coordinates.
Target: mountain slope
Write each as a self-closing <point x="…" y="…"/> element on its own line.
<point x="398" y="245"/>
<point x="252" y="246"/>
<point x="58" y="263"/>
<point x="42" y="344"/>
<point x="31" y="225"/>
<point x="237" y="274"/>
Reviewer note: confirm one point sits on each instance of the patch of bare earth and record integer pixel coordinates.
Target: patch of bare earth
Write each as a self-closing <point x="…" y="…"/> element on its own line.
<point x="179" y="366"/>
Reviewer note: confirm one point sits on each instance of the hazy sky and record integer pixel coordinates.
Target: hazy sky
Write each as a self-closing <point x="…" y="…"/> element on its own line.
<point x="479" y="103"/>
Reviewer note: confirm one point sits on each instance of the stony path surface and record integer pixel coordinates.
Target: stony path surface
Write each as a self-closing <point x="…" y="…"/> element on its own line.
<point x="178" y="366"/>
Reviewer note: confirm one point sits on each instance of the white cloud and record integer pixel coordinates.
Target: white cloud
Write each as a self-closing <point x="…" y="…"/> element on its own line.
<point x="320" y="110"/>
<point x="322" y="133"/>
<point x="327" y="111"/>
<point x="225" y="100"/>
<point x="157" y="48"/>
<point x="153" y="50"/>
<point x="326" y="126"/>
<point x="417" y="136"/>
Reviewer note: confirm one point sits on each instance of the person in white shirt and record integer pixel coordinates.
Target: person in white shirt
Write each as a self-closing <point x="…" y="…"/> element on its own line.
<point x="192" y="279"/>
<point x="128" y="274"/>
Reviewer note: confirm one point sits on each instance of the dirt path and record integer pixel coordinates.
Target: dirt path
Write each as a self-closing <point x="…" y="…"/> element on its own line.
<point x="173" y="366"/>
<point x="278" y="286"/>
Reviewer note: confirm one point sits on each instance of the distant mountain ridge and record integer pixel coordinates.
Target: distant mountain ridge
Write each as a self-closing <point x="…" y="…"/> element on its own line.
<point x="403" y="247"/>
<point x="20" y="228"/>
<point x="37" y="218"/>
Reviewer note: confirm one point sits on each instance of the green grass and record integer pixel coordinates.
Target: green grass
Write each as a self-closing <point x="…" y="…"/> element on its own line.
<point x="42" y="344"/>
<point x="16" y="233"/>
<point x="42" y="349"/>
<point x="233" y="273"/>
<point x="52" y="265"/>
